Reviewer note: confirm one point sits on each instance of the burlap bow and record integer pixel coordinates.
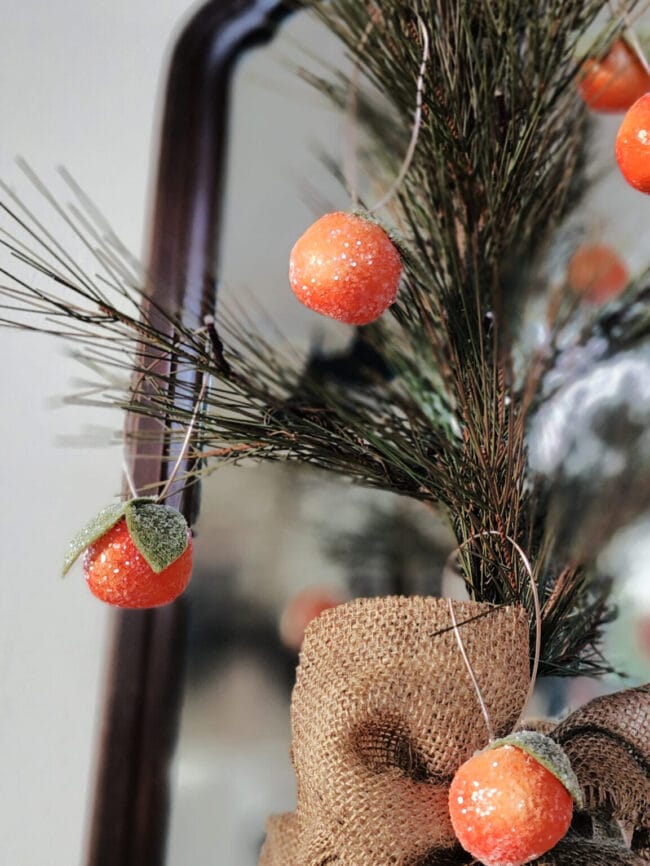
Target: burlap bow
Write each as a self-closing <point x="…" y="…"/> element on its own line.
<point x="384" y="712"/>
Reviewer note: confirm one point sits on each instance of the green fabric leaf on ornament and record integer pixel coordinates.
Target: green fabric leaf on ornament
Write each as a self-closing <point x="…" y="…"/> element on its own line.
<point x="94" y="529"/>
<point x="549" y="754"/>
<point x="158" y="531"/>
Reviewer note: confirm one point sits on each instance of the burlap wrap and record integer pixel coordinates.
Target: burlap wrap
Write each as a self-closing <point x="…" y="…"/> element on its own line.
<point x="384" y="712"/>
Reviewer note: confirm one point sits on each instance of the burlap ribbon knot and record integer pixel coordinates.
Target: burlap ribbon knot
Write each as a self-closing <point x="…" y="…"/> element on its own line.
<point x="384" y="712"/>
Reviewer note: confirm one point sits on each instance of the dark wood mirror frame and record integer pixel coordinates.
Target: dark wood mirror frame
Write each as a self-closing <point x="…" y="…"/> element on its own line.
<point x="144" y="688"/>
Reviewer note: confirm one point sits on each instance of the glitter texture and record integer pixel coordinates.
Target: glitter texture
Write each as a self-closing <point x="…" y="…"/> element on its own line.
<point x="159" y="532"/>
<point x="93" y="530"/>
<point x="549" y="754"/>
<point x="633" y="145"/>
<point x="345" y="267"/>
<point x="513" y="809"/>
<point x="117" y="573"/>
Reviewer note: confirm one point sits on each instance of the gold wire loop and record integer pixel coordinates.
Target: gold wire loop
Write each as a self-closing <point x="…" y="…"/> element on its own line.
<point x="350" y="161"/>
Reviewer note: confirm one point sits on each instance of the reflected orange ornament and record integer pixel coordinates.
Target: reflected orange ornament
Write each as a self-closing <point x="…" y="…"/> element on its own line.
<point x="597" y="273"/>
<point x="614" y="83"/>
<point x="305" y="606"/>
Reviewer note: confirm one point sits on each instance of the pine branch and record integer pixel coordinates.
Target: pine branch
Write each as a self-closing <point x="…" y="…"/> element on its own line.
<point x="497" y="167"/>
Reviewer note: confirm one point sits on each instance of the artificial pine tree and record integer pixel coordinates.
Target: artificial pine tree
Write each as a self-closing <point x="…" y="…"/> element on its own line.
<point x="441" y="400"/>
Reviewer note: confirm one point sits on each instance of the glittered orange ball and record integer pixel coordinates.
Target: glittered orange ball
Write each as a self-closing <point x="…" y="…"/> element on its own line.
<point x="615" y="82"/>
<point x="345" y="267"/>
<point x="597" y="273"/>
<point x="117" y="573"/>
<point x="506" y="808"/>
<point x="633" y="145"/>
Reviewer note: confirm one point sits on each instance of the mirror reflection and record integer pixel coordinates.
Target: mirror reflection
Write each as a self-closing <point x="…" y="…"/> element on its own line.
<point x="277" y="544"/>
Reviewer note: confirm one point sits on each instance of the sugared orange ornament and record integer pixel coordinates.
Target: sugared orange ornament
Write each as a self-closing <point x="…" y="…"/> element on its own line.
<point x="614" y="83"/>
<point x="597" y="273"/>
<point x="510" y="803"/>
<point x="117" y="573"/>
<point x="137" y="554"/>
<point x="346" y="267"/>
<point x="633" y="145"/>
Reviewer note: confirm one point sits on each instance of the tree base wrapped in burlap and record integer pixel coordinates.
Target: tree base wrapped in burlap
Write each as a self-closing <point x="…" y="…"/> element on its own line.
<point x="383" y="714"/>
